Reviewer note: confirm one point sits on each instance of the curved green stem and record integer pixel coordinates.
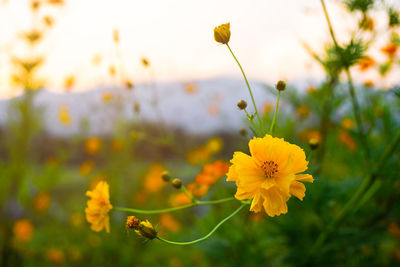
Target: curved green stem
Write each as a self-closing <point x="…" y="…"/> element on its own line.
<point x="271" y="129"/>
<point x="207" y="235"/>
<point x="248" y="86"/>
<point x="198" y="203"/>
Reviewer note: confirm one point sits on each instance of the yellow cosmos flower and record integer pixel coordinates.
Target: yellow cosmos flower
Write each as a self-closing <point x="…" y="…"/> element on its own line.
<point x="222" y="33"/>
<point x="98" y="207"/>
<point x="270" y="175"/>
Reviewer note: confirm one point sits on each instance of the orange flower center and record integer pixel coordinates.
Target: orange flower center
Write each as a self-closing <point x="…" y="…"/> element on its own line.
<point x="269" y="168"/>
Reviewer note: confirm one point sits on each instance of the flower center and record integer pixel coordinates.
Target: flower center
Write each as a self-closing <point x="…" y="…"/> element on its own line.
<point x="269" y="168"/>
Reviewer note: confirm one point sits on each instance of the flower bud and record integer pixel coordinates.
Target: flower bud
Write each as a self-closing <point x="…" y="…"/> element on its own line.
<point x="313" y="143"/>
<point x="147" y="230"/>
<point x="145" y="62"/>
<point x="129" y="84"/>
<point x="165" y="176"/>
<point x="177" y="183"/>
<point x="242" y="104"/>
<point x="222" y="33"/>
<point x="243" y="132"/>
<point x="280" y="85"/>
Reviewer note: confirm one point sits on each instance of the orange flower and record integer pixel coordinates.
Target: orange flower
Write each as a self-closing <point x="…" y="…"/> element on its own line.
<point x="311" y="89"/>
<point x="346" y="139"/>
<point x="213" y="110"/>
<point x="369" y="83"/>
<point x="168" y="222"/>
<point x="308" y="134"/>
<point x="179" y="199"/>
<point x="365" y="63"/>
<point x="69" y="82"/>
<point x="390" y="49"/>
<point x="190" y="88"/>
<point x="303" y="111"/>
<point x="112" y="71"/>
<point x="23" y="230"/>
<point x="86" y="167"/>
<point x="140" y="197"/>
<point x="98" y="207"/>
<point x="153" y="181"/>
<point x="41" y="202"/>
<point x="267" y="107"/>
<point x="116" y="36"/>
<point x="271" y="175"/>
<point x="394" y="230"/>
<point x="212" y="172"/>
<point x="198" y="190"/>
<point x="55" y="255"/>
<point x="93" y="145"/>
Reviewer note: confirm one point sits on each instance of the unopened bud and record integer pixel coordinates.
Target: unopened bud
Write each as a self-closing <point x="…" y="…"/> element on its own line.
<point x="242" y="104"/>
<point x="280" y="85"/>
<point x="313" y="143"/>
<point x="165" y="176"/>
<point x="177" y="183"/>
<point x="147" y="230"/>
<point x="222" y="33"/>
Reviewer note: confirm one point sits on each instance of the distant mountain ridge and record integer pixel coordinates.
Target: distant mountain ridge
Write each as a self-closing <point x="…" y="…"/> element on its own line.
<point x="210" y="107"/>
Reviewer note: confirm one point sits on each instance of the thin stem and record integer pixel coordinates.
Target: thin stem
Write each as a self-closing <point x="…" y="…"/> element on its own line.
<point x="356" y="111"/>
<point x="271" y="129"/>
<point x="328" y="20"/>
<point x="188" y="194"/>
<point x="252" y="121"/>
<point x="248" y="85"/>
<point x="207" y="235"/>
<point x="198" y="203"/>
<point x="356" y="107"/>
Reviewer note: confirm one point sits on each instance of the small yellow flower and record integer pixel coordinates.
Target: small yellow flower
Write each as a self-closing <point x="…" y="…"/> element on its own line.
<point x="222" y="33"/>
<point x="86" y="167"/>
<point x="63" y="116"/>
<point x="98" y="207"/>
<point x="271" y="175"/>
<point x="107" y="97"/>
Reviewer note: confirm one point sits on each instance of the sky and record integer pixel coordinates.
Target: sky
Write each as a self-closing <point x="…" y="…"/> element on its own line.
<point x="176" y="36"/>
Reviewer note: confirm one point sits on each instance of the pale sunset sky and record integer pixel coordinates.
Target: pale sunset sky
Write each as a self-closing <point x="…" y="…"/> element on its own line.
<point x="177" y="37"/>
